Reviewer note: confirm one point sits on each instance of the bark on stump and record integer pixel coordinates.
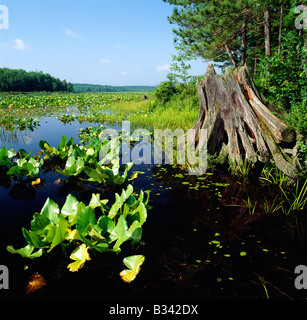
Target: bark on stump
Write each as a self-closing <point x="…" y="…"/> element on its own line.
<point x="239" y="125"/>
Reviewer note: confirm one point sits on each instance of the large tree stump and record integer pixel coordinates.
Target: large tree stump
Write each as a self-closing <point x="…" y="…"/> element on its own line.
<point x="239" y="125"/>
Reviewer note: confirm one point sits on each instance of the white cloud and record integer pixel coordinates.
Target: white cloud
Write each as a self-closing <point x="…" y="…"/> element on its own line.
<point x="71" y="33"/>
<point x="104" y="60"/>
<point x="19" y="44"/>
<point x="164" y="67"/>
<point x="124" y="73"/>
<point x="118" y="46"/>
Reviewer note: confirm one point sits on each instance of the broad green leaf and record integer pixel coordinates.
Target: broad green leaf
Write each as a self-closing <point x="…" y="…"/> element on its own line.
<point x="134" y="264"/>
<point x="26" y="252"/>
<point x="135" y="232"/>
<point x="120" y="233"/>
<point x="115" y="207"/>
<point x="3" y="153"/>
<point x="70" y="207"/>
<point x="86" y="216"/>
<point x="143" y="213"/>
<point x="126" y="193"/>
<point x="96" y="175"/>
<point x="131" y="200"/>
<point x="49" y="231"/>
<point x="32" y="239"/>
<point x="51" y="211"/>
<point x="96" y="202"/>
<point x="80" y="255"/>
<point x="62" y="143"/>
<point x="60" y="233"/>
<point x="39" y="223"/>
<point x="94" y="231"/>
<point x="106" y="224"/>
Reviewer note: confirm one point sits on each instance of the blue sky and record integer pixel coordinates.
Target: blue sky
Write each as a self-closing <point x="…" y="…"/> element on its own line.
<point x="114" y="42"/>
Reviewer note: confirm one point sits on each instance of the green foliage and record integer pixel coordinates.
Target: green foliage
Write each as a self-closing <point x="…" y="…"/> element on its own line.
<point x="180" y="68"/>
<point x="64" y="100"/>
<point x="165" y="91"/>
<point x="285" y="79"/>
<point x="22" y="167"/>
<point x="64" y="149"/>
<point x="20" y="80"/>
<point x="205" y="28"/>
<point x="133" y="263"/>
<point x="99" y="160"/>
<point x="20" y="164"/>
<point x="97" y="227"/>
<point x="84" y="87"/>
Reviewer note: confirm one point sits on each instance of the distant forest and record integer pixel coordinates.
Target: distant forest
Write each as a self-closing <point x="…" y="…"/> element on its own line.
<point x="83" y="87"/>
<point x="20" y="80"/>
<point x="13" y="80"/>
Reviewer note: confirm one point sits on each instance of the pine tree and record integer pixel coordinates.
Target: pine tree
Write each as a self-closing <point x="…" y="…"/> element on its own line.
<point x="213" y="30"/>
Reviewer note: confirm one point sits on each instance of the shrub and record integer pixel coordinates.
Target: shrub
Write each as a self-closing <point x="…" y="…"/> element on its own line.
<point x="165" y="91"/>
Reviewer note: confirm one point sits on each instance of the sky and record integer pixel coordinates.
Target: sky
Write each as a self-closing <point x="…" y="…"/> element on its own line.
<point x="106" y="42"/>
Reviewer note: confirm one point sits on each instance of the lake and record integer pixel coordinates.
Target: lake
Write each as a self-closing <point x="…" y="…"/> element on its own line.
<point x="199" y="241"/>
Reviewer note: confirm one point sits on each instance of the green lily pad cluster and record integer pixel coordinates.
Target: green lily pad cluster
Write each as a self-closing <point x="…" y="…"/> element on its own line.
<point x="10" y="122"/>
<point x="19" y="164"/>
<point x="98" y="161"/>
<point x="96" y="227"/>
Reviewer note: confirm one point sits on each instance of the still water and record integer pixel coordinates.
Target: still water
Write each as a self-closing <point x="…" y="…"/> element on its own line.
<point x="196" y="245"/>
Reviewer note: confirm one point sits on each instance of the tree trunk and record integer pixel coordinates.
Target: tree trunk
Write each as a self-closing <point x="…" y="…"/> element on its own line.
<point x="267" y="32"/>
<point x="244" y="44"/>
<point x="280" y="29"/>
<point x="239" y="126"/>
<point x="234" y="63"/>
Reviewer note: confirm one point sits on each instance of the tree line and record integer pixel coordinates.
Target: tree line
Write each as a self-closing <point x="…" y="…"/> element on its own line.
<point x="12" y="80"/>
<point x="85" y="87"/>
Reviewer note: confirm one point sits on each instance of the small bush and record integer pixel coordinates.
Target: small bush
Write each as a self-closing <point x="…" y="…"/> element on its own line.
<point x="165" y="91"/>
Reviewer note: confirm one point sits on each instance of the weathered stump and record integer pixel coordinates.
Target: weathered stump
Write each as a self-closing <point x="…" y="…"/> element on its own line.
<point x="239" y="125"/>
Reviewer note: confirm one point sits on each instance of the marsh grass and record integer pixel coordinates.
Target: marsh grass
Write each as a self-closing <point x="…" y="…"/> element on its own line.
<point x="151" y="114"/>
<point x="297" y="199"/>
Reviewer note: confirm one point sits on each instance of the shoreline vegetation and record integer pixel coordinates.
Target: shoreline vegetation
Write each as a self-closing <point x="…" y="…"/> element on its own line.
<point x="169" y="106"/>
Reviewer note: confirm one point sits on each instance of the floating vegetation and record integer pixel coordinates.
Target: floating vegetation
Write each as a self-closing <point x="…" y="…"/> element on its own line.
<point x="217" y="235"/>
<point x="76" y="224"/>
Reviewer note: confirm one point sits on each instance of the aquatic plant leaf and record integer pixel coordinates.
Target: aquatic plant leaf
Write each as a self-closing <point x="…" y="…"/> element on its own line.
<point x="60" y="233"/>
<point x="72" y="234"/>
<point x="70" y="208"/>
<point x="51" y="211"/>
<point x="97" y="203"/>
<point x="135" y="232"/>
<point x="142" y="212"/>
<point x="63" y="143"/>
<point x="86" y="216"/>
<point x="33" y="239"/>
<point x="106" y="224"/>
<point x="134" y="264"/>
<point x="80" y="255"/>
<point x="115" y="207"/>
<point x="26" y="252"/>
<point x="120" y="233"/>
<point x="126" y="193"/>
<point x="39" y="223"/>
<point x="96" y="175"/>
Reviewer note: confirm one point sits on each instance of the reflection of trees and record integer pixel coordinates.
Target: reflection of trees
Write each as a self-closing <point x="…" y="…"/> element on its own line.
<point x="5" y="180"/>
<point x="9" y="136"/>
<point x="23" y="190"/>
<point x="15" y="136"/>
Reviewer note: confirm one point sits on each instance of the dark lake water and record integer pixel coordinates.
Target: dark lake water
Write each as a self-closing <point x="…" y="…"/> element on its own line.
<point x="196" y="246"/>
